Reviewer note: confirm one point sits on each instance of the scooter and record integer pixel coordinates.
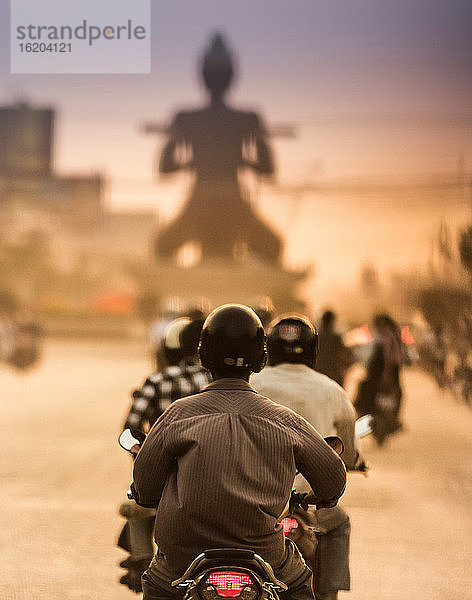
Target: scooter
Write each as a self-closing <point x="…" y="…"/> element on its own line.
<point x="226" y="572"/>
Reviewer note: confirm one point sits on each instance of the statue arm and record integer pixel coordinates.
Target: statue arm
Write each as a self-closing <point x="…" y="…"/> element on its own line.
<point x="261" y="159"/>
<point x="265" y="163"/>
<point x="167" y="162"/>
<point x="176" y="154"/>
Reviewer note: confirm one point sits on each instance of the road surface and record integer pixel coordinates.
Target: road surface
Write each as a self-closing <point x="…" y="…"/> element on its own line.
<point x="63" y="476"/>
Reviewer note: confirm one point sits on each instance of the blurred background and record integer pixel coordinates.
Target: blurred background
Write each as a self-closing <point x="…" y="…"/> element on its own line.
<point x="371" y="116"/>
<point x="365" y="109"/>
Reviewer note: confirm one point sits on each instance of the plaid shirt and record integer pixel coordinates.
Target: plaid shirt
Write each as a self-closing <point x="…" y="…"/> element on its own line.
<point x="161" y="389"/>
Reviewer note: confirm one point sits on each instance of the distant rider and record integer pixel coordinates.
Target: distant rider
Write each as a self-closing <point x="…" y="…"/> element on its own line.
<point x="380" y="393"/>
<point x="183" y="376"/>
<point x="291" y="380"/>
<point x="334" y="358"/>
<point x="220" y="465"/>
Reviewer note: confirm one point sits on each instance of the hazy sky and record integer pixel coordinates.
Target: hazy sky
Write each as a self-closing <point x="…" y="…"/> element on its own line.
<point x="374" y="87"/>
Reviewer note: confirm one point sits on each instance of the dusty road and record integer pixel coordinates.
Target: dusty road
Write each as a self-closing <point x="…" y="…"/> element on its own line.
<point x="63" y="476"/>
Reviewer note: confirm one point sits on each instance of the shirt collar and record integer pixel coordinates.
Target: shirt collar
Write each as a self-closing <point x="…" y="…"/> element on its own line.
<point x="291" y="366"/>
<point x="227" y="383"/>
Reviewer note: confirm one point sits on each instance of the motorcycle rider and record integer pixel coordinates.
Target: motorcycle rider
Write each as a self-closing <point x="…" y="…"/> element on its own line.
<point x="380" y="393"/>
<point x="220" y="465"/>
<point x="182" y="376"/>
<point x="291" y="380"/>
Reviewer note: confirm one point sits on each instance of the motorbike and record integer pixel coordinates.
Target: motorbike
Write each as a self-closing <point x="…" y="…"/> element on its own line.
<point x="299" y="524"/>
<point x="237" y="573"/>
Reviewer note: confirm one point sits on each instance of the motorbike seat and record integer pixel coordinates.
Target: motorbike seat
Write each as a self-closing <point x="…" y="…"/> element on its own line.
<point x="230" y="557"/>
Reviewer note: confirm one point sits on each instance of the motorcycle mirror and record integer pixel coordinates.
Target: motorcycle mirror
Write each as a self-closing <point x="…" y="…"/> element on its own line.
<point x="131" y="437"/>
<point x="364" y="426"/>
<point x="336" y="443"/>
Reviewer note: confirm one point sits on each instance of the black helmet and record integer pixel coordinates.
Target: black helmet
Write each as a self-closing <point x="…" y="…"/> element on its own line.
<point x="232" y="339"/>
<point x="292" y="338"/>
<point x="190" y="336"/>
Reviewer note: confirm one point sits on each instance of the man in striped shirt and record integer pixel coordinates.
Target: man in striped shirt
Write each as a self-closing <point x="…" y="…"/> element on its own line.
<point x="220" y="465"/>
<point x="182" y="377"/>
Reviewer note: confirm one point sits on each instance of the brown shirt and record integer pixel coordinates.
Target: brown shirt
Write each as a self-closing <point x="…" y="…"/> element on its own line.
<point x="221" y="464"/>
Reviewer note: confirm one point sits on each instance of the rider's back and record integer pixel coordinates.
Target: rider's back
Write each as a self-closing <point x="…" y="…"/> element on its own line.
<point x="235" y="460"/>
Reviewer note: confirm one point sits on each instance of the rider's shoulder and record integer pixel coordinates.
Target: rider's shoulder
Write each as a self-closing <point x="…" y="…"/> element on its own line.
<point x="277" y="411"/>
<point x="183" y="118"/>
<point x="332" y="387"/>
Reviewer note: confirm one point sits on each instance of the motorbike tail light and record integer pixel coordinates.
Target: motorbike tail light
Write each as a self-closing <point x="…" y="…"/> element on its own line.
<point x="228" y="584"/>
<point x="288" y="524"/>
<point x="407" y="336"/>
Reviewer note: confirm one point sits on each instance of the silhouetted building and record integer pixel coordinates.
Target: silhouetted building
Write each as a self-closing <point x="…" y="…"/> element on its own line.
<point x="92" y="252"/>
<point x="26" y="136"/>
<point x="27" y="178"/>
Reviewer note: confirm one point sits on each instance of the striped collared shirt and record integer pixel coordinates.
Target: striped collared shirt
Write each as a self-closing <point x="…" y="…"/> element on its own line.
<point x="220" y="466"/>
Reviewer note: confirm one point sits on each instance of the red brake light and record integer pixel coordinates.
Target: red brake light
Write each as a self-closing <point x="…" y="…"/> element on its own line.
<point x="288" y="524"/>
<point x="407" y="337"/>
<point x="228" y="584"/>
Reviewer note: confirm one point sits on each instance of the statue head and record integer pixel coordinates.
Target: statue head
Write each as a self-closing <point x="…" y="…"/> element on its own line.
<point x="217" y="66"/>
